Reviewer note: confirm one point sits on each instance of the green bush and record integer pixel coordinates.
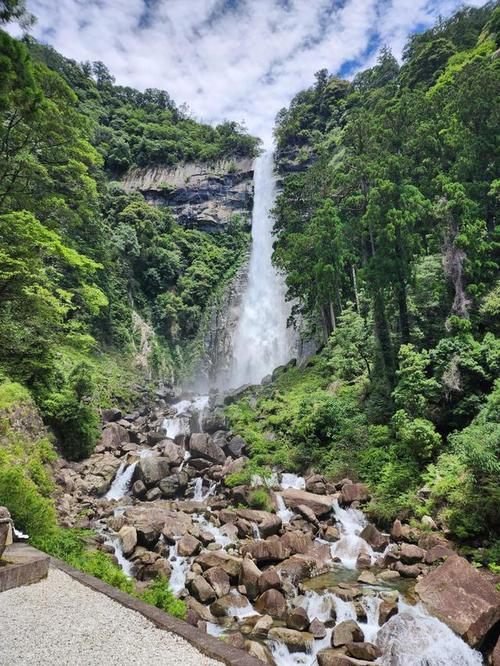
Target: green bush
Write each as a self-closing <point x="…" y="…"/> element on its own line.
<point x="160" y="595"/>
<point x="71" y="546"/>
<point x="260" y="499"/>
<point x="72" y="415"/>
<point x="32" y="513"/>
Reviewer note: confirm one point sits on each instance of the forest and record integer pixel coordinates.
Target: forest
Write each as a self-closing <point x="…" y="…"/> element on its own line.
<point x="386" y="229"/>
<point x="83" y="263"/>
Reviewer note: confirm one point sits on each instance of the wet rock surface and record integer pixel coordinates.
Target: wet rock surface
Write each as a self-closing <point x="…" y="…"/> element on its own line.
<point x="311" y="576"/>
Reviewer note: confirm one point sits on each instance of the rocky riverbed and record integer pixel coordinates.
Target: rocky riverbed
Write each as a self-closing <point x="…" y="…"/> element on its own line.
<point x="311" y="581"/>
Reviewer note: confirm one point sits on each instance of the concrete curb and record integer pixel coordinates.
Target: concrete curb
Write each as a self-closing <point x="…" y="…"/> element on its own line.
<point x="208" y="645"/>
<point x="22" y="565"/>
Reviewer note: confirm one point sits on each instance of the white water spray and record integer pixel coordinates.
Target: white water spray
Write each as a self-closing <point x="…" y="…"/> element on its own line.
<point x="261" y="341"/>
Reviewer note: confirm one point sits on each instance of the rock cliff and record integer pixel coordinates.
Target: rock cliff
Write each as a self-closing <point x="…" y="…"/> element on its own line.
<point x="201" y="195"/>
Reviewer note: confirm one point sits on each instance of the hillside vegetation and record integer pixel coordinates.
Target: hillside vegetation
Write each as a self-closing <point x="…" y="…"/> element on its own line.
<point x="386" y="230"/>
<point x="86" y="269"/>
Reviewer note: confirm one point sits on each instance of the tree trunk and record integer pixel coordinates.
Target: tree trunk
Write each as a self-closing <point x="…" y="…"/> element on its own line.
<point x="355" y="286"/>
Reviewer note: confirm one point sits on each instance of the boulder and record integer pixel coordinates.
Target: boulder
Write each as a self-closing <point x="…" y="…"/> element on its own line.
<point x="172" y="452"/>
<point x="249" y="577"/>
<point x="408" y="570"/>
<point x="361" y="650"/>
<point x="236" y="447"/>
<point x="153" y="494"/>
<point x="155" y="437"/>
<point x="147" y="535"/>
<point x="219" y="580"/>
<point x="139" y="489"/>
<point x="317" y="629"/>
<point x="227" y="604"/>
<point x="438" y="552"/>
<point x="411" y="554"/>
<point x="128" y="537"/>
<point x="297" y="542"/>
<point x="111" y="414"/>
<point x="112" y="435"/>
<point x="297" y="619"/>
<point x="201" y="445"/>
<point x="307" y="513"/>
<point x="330" y="657"/>
<point x="268" y="580"/>
<point x="201" y="590"/>
<point x="316" y="483"/>
<point x="151" y="470"/>
<point x="169" y="486"/>
<point x="273" y="603"/>
<point x="331" y="534"/>
<point x="387" y="609"/>
<point x="188" y="545"/>
<point x="400" y="532"/>
<point x="354" y="492"/>
<point x="376" y="539"/>
<point x="262" y="626"/>
<point x="346" y="632"/>
<point x="203" y="612"/>
<point x="321" y="505"/>
<point x="219" y="558"/>
<point x="270" y="550"/>
<point x="260" y="652"/>
<point x="296" y="641"/>
<point x="460" y="597"/>
<point x="269" y="523"/>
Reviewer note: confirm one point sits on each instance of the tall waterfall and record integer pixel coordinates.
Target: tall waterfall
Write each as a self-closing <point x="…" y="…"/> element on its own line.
<point x="261" y="340"/>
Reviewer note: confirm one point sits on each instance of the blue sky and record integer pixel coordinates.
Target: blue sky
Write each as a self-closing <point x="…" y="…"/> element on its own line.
<point x="231" y="59"/>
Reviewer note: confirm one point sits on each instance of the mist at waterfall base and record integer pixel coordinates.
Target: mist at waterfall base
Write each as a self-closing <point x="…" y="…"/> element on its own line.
<point x="261" y="339"/>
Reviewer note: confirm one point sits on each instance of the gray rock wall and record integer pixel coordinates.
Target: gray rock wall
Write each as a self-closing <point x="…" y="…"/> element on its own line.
<point x="201" y="195"/>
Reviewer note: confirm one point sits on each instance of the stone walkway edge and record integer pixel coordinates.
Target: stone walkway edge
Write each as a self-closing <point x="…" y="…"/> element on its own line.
<point x="208" y="645"/>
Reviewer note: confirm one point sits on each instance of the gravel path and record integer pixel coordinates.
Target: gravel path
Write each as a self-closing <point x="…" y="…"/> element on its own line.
<point x="60" y="622"/>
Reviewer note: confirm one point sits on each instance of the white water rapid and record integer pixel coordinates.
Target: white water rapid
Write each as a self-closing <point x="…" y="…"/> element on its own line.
<point x="261" y="340"/>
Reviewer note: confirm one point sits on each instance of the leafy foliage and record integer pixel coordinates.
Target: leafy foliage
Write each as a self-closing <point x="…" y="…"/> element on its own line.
<point x="386" y="230"/>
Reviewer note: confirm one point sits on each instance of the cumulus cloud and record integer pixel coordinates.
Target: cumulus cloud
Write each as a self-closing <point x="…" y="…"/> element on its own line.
<point x="231" y="59"/>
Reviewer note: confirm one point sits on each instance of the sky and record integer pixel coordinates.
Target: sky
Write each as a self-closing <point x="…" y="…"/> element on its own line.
<point x="237" y="60"/>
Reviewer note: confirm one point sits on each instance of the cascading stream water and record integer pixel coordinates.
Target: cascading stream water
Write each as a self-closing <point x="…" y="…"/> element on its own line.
<point x="261" y="340"/>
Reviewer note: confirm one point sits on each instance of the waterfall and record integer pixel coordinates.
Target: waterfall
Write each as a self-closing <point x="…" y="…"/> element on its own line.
<point x="261" y="340"/>
<point x="350" y="544"/>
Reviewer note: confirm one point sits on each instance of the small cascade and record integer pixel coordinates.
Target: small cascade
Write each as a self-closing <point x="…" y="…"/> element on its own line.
<point x="206" y="526"/>
<point x="184" y="413"/>
<point x="415" y="638"/>
<point x="292" y="481"/>
<point x="320" y="606"/>
<point x="123" y="479"/>
<point x="187" y="456"/>
<point x="198" y="489"/>
<point x="245" y="611"/>
<point x="350" y="544"/>
<point x="256" y="532"/>
<point x="180" y="566"/>
<point x="371" y="627"/>
<point x="285" y="514"/>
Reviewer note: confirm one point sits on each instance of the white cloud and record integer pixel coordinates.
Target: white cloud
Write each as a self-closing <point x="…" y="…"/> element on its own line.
<point x="229" y="59"/>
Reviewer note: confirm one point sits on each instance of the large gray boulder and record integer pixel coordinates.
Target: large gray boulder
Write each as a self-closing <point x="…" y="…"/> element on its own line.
<point x="203" y="446"/>
<point x="151" y="470"/>
<point x="460" y="597"/>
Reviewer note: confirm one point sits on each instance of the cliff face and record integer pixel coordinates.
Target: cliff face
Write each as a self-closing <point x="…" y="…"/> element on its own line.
<point x="201" y="195"/>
